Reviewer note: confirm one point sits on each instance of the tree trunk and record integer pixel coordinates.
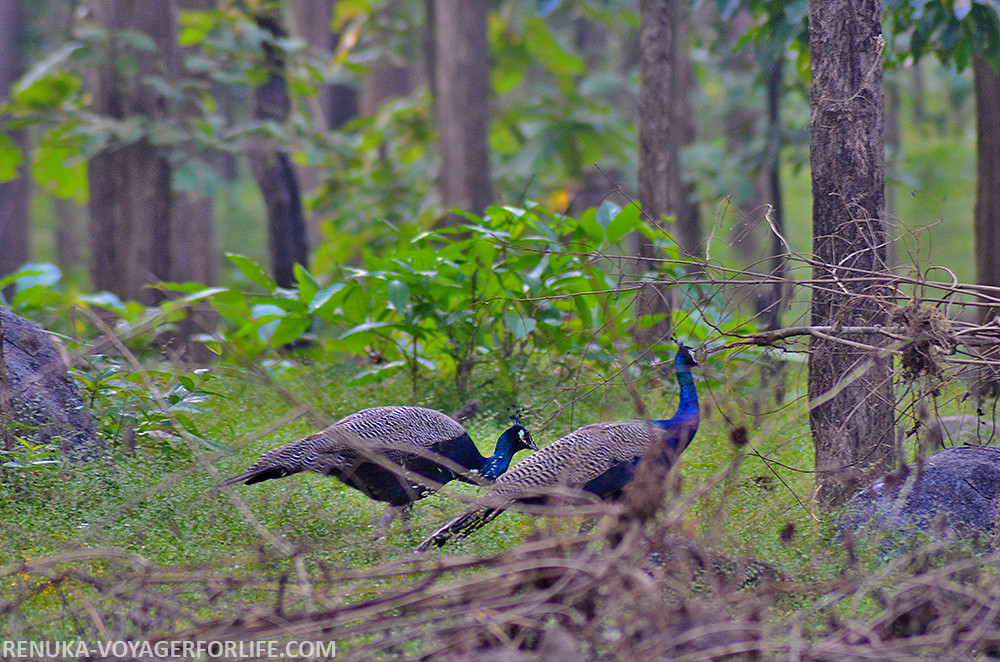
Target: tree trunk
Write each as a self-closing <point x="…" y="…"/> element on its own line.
<point x="661" y="189"/>
<point x="893" y="148"/>
<point x="462" y="82"/>
<point x="15" y="226"/>
<point x="130" y="196"/>
<point x="334" y="106"/>
<point x="743" y="125"/>
<point x="194" y="240"/>
<point x="987" y="82"/>
<point x="850" y="390"/>
<point x="274" y="171"/>
<point x="771" y="298"/>
<point x="386" y="78"/>
<point x="337" y="103"/>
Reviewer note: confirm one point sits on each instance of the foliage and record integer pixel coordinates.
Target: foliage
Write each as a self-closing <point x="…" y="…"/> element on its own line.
<point x="499" y="289"/>
<point x="954" y="31"/>
<point x="151" y="409"/>
<point x="26" y="456"/>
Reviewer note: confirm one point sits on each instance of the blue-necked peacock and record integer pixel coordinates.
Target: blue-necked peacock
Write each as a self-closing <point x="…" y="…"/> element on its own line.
<point x="393" y="454"/>
<point x="600" y="459"/>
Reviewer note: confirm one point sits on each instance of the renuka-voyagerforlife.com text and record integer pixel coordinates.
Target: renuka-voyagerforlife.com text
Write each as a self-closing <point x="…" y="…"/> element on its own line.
<point x="165" y="650"/>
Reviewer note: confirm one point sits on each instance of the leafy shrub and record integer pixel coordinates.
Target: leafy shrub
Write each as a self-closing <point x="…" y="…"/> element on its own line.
<point x="504" y="288"/>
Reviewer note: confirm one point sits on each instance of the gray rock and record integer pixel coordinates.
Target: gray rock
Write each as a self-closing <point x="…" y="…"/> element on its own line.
<point x="47" y="405"/>
<point x="955" y="492"/>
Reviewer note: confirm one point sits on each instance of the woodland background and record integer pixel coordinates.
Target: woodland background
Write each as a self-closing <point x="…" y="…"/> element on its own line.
<point x="244" y="220"/>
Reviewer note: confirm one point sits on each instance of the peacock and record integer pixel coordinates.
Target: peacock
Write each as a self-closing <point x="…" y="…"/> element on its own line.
<point x="599" y="459"/>
<point x="395" y="454"/>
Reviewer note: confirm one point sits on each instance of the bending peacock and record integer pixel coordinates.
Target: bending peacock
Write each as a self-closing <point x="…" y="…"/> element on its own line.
<point x="600" y="459"/>
<point x="394" y="454"/>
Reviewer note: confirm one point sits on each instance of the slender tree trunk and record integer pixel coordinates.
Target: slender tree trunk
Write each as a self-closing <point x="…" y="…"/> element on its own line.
<point x="338" y="104"/>
<point x="386" y="77"/>
<point x="661" y="189"/>
<point x="743" y="125"/>
<point x="850" y="390"/>
<point x="334" y="106"/>
<point x="69" y="218"/>
<point x="194" y="240"/>
<point x="462" y="81"/>
<point x="130" y="197"/>
<point x="15" y="226"/>
<point x="894" y="147"/>
<point x="275" y="173"/>
<point x="987" y="82"/>
<point x="769" y="304"/>
<point x="665" y="119"/>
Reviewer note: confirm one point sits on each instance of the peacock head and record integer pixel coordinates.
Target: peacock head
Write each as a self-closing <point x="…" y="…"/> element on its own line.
<point x="519" y="439"/>
<point x="684" y="359"/>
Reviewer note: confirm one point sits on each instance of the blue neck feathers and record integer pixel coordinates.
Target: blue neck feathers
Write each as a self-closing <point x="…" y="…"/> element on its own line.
<point x="512" y="440"/>
<point x="684" y="423"/>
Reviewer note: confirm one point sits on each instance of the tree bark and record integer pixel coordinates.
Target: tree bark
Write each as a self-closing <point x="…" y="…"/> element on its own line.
<point x="335" y="104"/>
<point x="462" y="82"/>
<point x="130" y="197"/>
<point x="771" y="298"/>
<point x="661" y="188"/>
<point x="274" y="171"/>
<point x="743" y="125"/>
<point x="15" y="226"/>
<point x="987" y="83"/>
<point x="194" y="240"/>
<point x="850" y="391"/>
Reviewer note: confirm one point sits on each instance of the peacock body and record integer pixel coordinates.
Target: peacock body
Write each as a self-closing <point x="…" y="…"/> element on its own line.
<point x="599" y="459"/>
<point x="395" y="454"/>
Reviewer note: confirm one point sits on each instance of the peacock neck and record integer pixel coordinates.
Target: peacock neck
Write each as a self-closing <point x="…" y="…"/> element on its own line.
<point x="684" y="424"/>
<point x="687" y="408"/>
<point x="500" y="462"/>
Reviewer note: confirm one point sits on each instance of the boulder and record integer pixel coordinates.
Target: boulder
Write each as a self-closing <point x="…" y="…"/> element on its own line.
<point x="46" y="403"/>
<point x="955" y="492"/>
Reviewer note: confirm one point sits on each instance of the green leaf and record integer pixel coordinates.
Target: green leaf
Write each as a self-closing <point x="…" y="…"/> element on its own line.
<point x="606" y="213"/>
<point x="503" y="139"/>
<point x="506" y="79"/>
<point x="591" y="227"/>
<point x="399" y="295"/>
<point x="10" y="158"/>
<point x="289" y="329"/>
<point x="548" y="52"/>
<point x="308" y="287"/>
<point x="253" y="271"/>
<point x="519" y="325"/>
<point x="624" y="221"/>
<point x="48" y="83"/>
<point x="355" y="305"/>
<point x="57" y="165"/>
<point x="195" y="27"/>
<point x="324" y="299"/>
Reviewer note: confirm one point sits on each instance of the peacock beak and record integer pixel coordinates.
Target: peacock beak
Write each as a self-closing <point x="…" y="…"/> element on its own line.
<point x="527" y="440"/>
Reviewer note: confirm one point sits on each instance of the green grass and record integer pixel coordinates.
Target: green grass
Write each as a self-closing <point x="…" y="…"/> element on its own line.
<point x="164" y="506"/>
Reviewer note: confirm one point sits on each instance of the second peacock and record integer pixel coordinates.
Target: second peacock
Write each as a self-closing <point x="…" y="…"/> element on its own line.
<point x="600" y="459"/>
<point x="393" y="454"/>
